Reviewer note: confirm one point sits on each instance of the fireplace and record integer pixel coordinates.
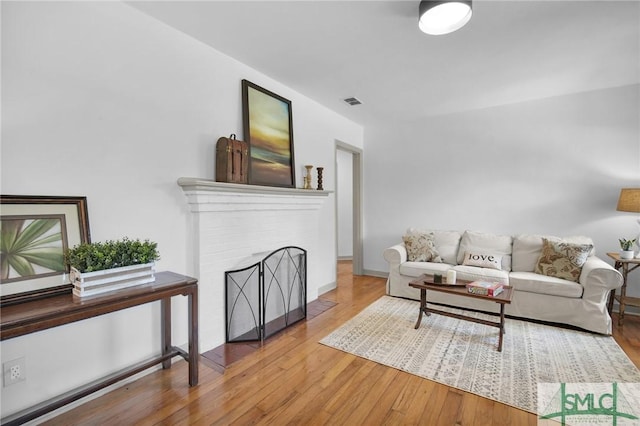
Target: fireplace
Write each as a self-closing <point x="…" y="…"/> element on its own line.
<point x="230" y="222"/>
<point x="267" y="296"/>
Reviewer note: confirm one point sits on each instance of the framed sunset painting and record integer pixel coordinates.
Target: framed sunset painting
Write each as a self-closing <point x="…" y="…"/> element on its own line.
<point x="268" y="127"/>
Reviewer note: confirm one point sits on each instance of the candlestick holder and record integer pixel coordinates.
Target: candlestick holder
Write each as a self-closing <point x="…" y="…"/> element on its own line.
<point x="320" y="169"/>
<point x="307" y="178"/>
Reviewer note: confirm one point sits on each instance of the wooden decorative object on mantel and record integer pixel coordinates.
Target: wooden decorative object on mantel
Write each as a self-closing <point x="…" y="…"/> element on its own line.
<point x="320" y="169"/>
<point x="307" y="178"/>
<point x="232" y="160"/>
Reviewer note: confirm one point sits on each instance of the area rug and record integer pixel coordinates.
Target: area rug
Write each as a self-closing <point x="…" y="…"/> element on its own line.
<point x="463" y="355"/>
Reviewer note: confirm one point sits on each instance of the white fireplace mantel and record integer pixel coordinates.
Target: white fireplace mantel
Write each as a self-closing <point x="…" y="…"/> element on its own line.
<point x="207" y="195"/>
<point x="230" y="222"/>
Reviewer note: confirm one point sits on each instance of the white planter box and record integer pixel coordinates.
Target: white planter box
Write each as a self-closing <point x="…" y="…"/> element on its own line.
<point x="98" y="282"/>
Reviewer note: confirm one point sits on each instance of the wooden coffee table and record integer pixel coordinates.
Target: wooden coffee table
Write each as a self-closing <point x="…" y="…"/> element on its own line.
<point x="425" y="282"/>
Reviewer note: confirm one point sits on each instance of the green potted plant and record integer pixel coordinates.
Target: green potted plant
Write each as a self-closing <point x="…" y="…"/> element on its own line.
<point x="626" y="248"/>
<point x="111" y="265"/>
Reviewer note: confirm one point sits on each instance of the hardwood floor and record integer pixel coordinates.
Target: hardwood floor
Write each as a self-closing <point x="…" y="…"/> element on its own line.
<point x="295" y="380"/>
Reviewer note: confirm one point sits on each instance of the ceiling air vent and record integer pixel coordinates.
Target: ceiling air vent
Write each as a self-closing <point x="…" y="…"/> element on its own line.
<point x="352" y="101"/>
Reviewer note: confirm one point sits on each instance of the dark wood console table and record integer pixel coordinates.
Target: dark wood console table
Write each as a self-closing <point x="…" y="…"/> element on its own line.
<point x="24" y="318"/>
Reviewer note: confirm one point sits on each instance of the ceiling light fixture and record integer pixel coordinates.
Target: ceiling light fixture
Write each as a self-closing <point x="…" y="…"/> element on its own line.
<point x="443" y="16"/>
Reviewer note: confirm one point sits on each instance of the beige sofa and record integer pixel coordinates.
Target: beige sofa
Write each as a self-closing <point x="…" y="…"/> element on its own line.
<point x="579" y="300"/>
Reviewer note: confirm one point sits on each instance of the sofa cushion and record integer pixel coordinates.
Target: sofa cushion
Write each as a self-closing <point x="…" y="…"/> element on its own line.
<point x="478" y="242"/>
<point x="446" y="243"/>
<point x="473" y="273"/>
<point x="527" y="249"/>
<point x="415" y="269"/>
<point x="420" y="248"/>
<point x="483" y="260"/>
<point x="562" y="260"/>
<point x="541" y="284"/>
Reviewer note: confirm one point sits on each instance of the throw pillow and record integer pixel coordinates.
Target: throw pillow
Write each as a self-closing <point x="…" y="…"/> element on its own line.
<point x="562" y="260"/>
<point x="483" y="260"/>
<point x="480" y="242"/>
<point x="446" y="242"/>
<point x="420" y="248"/>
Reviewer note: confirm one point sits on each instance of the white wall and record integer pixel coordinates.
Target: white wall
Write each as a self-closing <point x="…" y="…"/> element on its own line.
<point x="552" y="166"/>
<point x="101" y="100"/>
<point x="344" y="195"/>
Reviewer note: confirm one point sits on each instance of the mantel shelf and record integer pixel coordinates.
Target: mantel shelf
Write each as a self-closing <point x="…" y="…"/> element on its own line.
<point x="208" y="196"/>
<point x="196" y="184"/>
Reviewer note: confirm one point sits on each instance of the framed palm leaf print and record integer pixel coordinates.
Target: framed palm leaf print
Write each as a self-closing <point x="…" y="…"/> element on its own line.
<point x="35" y="231"/>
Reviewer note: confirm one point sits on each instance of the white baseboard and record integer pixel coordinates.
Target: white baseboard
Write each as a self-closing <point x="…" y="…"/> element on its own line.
<point x="378" y="274"/>
<point x="345" y="257"/>
<point x="326" y="288"/>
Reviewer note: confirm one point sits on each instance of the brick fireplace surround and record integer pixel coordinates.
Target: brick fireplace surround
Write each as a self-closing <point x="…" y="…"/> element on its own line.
<point x="231" y="222"/>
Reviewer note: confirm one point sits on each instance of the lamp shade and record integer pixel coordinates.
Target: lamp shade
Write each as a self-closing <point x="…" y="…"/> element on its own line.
<point x="629" y="200"/>
<point x="443" y="16"/>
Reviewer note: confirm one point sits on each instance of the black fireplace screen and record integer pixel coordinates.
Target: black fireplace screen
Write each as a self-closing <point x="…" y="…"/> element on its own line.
<point x="267" y="296"/>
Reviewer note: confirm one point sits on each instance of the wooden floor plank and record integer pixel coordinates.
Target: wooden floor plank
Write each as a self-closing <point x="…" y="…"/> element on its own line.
<point x="356" y="410"/>
<point x="294" y="380"/>
<point x="418" y="402"/>
<point x="484" y="412"/>
<point x="309" y="407"/>
<point x="467" y="412"/>
<point x="383" y="408"/>
<point x="435" y="407"/>
<point x="502" y="415"/>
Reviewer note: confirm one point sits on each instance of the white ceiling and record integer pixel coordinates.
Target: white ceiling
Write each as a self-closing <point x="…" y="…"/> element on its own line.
<point x="511" y="51"/>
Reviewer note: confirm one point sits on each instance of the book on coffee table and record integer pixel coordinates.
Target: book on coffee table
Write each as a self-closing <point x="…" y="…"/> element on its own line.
<point x="485" y="288"/>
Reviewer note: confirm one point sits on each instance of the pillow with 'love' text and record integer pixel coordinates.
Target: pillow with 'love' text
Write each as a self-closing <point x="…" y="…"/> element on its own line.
<point x="483" y="260"/>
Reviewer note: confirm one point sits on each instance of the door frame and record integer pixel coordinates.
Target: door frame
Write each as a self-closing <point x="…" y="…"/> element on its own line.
<point x="356" y="155"/>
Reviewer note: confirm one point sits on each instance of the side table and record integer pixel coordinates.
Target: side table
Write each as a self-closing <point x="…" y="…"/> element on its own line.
<point x="627" y="265"/>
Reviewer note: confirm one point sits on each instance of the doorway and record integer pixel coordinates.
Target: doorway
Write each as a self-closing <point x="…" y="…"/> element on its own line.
<point x="349" y="205"/>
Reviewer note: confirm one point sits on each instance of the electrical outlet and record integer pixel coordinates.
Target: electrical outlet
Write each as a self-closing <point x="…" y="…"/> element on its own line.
<point x="14" y="371"/>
